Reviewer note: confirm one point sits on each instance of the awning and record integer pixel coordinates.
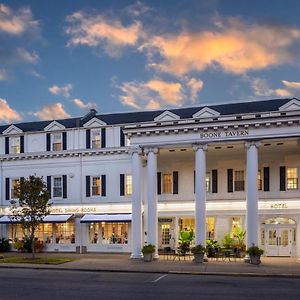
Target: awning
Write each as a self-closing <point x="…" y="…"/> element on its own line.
<point x="106" y="218"/>
<point x="47" y="219"/>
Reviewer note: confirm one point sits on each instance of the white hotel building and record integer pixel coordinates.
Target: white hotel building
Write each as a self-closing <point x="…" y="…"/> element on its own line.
<point x="118" y="181"/>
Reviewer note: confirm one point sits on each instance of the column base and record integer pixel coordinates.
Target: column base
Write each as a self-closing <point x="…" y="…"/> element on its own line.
<point x="247" y="259"/>
<point x="155" y="256"/>
<point x="136" y="256"/>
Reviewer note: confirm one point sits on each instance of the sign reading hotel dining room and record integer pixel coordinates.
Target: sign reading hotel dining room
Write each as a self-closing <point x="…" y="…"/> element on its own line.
<point x="224" y="134"/>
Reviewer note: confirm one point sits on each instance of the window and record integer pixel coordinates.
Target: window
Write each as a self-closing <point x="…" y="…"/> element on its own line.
<point x="96" y="138"/>
<point x="210" y="228"/>
<point x="65" y="233"/>
<point x="44" y="233"/>
<point x="14" y="184"/>
<point x="259" y="180"/>
<point x="292" y="178"/>
<point x="165" y="234"/>
<point x="207" y="182"/>
<point x="239" y="183"/>
<point x="56" y="142"/>
<point x="15" y="145"/>
<point x="96" y="186"/>
<point x="57" y="187"/>
<point x="235" y="223"/>
<point x="167" y="183"/>
<point x="128" y="185"/>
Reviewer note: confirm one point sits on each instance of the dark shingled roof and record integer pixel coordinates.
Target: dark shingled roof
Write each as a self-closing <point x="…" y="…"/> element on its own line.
<point x="146" y="116"/>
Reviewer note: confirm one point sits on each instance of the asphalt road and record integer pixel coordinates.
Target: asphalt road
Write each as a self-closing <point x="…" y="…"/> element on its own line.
<point x="19" y="284"/>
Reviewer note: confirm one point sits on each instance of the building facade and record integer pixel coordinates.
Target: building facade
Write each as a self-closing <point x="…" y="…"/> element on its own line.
<point x="118" y="181"/>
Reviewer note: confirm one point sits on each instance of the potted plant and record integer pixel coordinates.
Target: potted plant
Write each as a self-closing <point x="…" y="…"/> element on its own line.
<point x="19" y="245"/>
<point x="198" y="252"/>
<point x="148" y="251"/>
<point x="254" y="254"/>
<point x="212" y="247"/>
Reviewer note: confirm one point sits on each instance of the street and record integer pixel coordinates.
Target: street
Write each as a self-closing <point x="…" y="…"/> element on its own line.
<point x="18" y="284"/>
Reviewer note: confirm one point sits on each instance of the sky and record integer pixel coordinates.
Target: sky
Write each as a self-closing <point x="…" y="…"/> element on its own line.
<point x="60" y="58"/>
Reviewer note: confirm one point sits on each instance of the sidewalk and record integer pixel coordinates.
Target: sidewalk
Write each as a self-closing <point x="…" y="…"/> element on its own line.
<point x="273" y="267"/>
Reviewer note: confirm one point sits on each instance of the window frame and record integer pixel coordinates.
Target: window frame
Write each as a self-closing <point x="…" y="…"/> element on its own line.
<point x="170" y="183"/>
<point x="98" y="142"/>
<point x="53" y="186"/>
<point x="11" y="189"/>
<point x="92" y="186"/>
<point x="11" y="139"/>
<point x="260" y="182"/>
<point x="240" y="181"/>
<point x="53" y="134"/>
<point x="128" y="184"/>
<point x="208" y="182"/>
<point x="296" y="183"/>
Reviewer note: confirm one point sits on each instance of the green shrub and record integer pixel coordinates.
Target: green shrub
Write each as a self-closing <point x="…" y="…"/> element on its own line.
<point x="4" y="245"/>
<point x="198" y="249"/>
<point x="148" y="249"/>
<point x="255" y="251"/>
<point x="228" y="241"/>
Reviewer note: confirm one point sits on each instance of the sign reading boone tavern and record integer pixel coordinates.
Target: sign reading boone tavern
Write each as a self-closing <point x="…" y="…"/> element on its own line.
<point x="224" y="134"/>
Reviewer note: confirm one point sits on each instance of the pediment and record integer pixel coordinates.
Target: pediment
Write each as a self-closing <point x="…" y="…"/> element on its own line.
<point x="166" y="116"/>
<point x="294" y="104"/>
<point x="54" y="125"/>
<point x="206" y="112"/>
<point x="94" y="122"/>
<point x="12" y="129"/>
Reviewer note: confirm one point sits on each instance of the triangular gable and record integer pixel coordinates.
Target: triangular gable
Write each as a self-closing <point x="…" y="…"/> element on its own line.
<point x="294" y="104"/>
<point x="166" y="116"/>
<point x="12" y="129"/>
<point x="54" y="125"/>
<point x="95" y="122"/>
<point x="206" y="112"/>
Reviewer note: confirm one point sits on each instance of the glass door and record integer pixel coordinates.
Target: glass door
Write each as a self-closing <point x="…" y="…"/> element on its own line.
<point x="284" y="241"/>
<point x="271" y="242"/>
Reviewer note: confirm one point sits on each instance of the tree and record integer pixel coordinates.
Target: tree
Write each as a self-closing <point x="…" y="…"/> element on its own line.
<point x="33" y="205"/>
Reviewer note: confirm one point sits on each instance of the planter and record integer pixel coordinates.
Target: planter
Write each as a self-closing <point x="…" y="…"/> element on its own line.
<point x="198" y="258"/>
<point x="148" y="257"/>
<point x="255" y="259"/>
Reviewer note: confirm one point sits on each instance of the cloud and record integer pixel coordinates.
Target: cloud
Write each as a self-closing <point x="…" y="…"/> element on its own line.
<point x="16" y="23"/>
<point x="50" y="112"/>
<point x="137" y="9"/>
<point x="83" y="105"/>
<point x="291" y="84"/>
<point x="63" y="90"/>
<point x="27" y="57"/>
<point x="99" y="30"/>
<point x="283" y="93"/>
<point x="195" y="86"/>
<point x="235" y="47"/>
<point x="3" y="74"/>
<point x="7" y="114"/>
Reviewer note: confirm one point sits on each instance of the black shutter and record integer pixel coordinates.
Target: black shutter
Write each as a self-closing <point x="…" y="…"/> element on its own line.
<point x="88" y="139"/>
<point x="214" y="181"/>
<point x="103" y="138"/>
<point x="48" y="142"/>
<point x="282" y="178"/>
<point x="103" y="185"/>
<point x="88" y="186"/>
<point x="194" y="181"/>
<point x="229" y="180"/>
<point x="7" y="192"/>
<point x="266" y="179"/>
<point x="22" y="143"/>
<point x="49" y="185"/>
<point x="158" y="183"/>
<point x="6" y="145"/>
<point x="175" y="182"/>
<point x="122" y="138"/>
<point x="122" y="184"/>
<point x="65" y="190"/>
<point x="64" y="140"/>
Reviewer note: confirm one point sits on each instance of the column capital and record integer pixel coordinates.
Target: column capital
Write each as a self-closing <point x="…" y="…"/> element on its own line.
<point x="147" y="150"/>
<point x="137" y="150"/>
<point x="252" y="143"/>
<point x="200" y="146"/>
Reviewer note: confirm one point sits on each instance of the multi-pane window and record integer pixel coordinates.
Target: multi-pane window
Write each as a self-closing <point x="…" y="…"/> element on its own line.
<point x="96" y="186"/>
<point x="15" y="145"/>
<point x="167" y="183"/>
<point x="207" y="182"/>
<point x="65" y="233"/>
<point x="14" y="184"/>
<point x="96" y="138"/>
<point x="239" y="182"/>
<point x="292" y="178"/>
<point x="165" y="234"/>
<point x="57" y="187"/>
<point x="56" y="142"/>
<point x="259" y="180"/>
<point x="128" y="185"/>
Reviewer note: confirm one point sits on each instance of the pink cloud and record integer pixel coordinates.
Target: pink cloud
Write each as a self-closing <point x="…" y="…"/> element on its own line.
<point x="7" y="114"/>
<point x="52" y="112"/>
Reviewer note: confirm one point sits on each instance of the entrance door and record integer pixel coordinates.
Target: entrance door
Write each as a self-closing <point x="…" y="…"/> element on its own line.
<point x="165" y="235"/>
<point x="278" y="241"/>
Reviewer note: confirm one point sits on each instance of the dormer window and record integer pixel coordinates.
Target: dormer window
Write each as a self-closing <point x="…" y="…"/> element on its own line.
<point x="96" y="138"/>
<point x="56" y="142"/>
<point x="15" y="145"/>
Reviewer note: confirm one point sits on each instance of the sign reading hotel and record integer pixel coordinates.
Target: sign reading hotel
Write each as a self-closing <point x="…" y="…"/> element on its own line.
<point x="224" y="134"/>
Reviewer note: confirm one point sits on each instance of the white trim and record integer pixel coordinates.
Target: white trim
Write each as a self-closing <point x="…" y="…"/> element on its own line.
<point x="294" y="104"/>
<point x="94" y="122"/>
<point x="206" y="112"/>
<point x="166" y="116"/>
<point x="54" y="125"/>
<point x="12" y="129"/>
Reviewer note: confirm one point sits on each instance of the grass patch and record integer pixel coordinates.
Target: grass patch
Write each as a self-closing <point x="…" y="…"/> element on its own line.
<point x="38" y="260"/>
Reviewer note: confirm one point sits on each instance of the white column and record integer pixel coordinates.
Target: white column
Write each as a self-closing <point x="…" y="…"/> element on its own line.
<point x="252" y="194"/>
<point x="200" y="194"/>
<point x="152" y="234"/>
<point x="136" y="226"/>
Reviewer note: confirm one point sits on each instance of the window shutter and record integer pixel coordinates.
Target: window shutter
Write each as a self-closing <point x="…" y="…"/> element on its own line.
<point x="266" y="179"/>
<point x="229" y="180"/>
<point x="7" y="187"/>
<point x="65" y="190"/>
<point x="6" y="145"/>
<point x="175" y="182"/>
<point x="88" y="139"/>
<point x="48" y="142"/>
<point x="282" y="178"/>
<point x="49" y="185"/>
<point x="194" y="181"/>
<point x="64" y="140"/>
<point x="158" y="183"/>
<point x="22" y="143"/>
<point x="88" y="186"/>
<point x="103" y="137"/>
<point x="103" y="185"/>
<point x="122" y="138"/>
<point x="214" y="181"/>
<point x="122" y="184"/>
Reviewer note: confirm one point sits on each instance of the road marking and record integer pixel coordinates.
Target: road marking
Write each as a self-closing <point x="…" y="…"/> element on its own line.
<point x="159" y="278"/>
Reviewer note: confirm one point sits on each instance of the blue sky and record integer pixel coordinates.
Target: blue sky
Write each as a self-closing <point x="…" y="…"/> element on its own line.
<point x="60" y="58"/>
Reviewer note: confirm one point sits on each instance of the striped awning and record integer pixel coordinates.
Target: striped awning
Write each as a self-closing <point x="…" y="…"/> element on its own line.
<point x="107" y="218"/>
<point x="48" y="219"/>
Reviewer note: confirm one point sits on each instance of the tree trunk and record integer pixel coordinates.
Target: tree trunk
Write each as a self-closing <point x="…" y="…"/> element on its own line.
<point x="32" y="243"/>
